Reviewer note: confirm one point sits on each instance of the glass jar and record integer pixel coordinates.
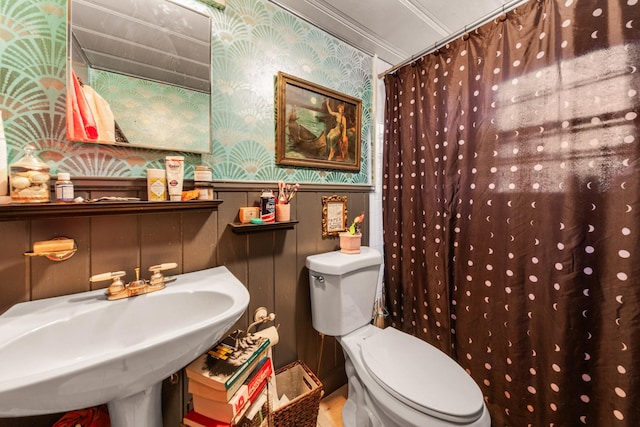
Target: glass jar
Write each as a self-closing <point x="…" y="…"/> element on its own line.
<point x="205" y="190"/>
<point x="202" y="177"/>
<point x="29" y="178"/>
<point x="202" y="173"/>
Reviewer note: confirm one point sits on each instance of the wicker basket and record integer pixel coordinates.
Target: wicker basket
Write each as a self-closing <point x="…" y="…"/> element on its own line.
<point x="304" y="391"/>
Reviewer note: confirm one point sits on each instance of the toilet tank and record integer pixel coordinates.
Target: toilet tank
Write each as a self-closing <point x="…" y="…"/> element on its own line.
<point x="343" y="289"/>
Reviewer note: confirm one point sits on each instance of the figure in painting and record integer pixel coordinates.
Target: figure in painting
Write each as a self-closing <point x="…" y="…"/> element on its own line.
<point x="337" y="137"/>
<point x="351" y="135"/>
<point x="302" y="139"/>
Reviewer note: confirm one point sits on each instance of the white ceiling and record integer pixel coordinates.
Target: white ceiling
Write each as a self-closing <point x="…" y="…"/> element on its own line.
<point x="395" y="30"/>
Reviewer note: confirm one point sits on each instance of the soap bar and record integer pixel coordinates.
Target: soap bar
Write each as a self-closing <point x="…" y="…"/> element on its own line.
<point x="189" y="195"/>
<point x="248" y="213"/>
<point x="53" y="245"/>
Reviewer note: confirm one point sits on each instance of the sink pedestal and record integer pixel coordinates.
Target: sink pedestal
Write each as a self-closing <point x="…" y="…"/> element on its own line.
<point x="138" y="410"/>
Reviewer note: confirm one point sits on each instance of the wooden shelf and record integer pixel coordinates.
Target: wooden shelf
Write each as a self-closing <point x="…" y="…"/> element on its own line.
<point x="267" y="226"/>
<point x="18" y="212"/>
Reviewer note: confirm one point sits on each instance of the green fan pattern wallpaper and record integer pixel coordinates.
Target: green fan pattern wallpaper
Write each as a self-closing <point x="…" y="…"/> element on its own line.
<point x="168" y="110"/>
<point x="252" y="41"/>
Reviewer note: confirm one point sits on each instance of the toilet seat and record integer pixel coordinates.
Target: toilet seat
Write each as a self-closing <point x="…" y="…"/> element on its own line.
<point x="421" y="376"/>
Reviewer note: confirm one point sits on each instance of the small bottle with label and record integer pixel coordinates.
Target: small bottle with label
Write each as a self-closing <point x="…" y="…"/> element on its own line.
<point x="64" y="188"/>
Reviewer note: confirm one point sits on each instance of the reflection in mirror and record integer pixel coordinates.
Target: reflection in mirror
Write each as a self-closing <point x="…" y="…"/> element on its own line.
<point x="139" y="74"/>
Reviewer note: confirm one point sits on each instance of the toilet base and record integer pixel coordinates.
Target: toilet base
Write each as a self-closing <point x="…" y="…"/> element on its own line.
<point x="356" y="409"/>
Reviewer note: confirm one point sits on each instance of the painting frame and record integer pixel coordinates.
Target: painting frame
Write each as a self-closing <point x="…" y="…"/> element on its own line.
<point x="334" y="215"/>
<point x="317" y="127"/>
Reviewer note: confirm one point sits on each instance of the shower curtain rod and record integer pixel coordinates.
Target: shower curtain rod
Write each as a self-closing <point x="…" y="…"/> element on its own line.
<point x="475" y="24"/>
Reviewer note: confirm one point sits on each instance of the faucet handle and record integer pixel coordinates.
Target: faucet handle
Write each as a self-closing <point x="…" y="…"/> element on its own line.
<point x="157" y="278"/>
<point x="116" y="285"/>
<point x="115" y="275"/>
<point x="162" y="267"/>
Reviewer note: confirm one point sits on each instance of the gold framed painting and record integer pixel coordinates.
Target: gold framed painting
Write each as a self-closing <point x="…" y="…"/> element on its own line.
<point x="334" y="215"/>
<point x="316" y="126"/>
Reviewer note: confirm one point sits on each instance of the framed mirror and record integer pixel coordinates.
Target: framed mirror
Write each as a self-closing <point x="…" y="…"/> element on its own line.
<point x="139" y="74"/>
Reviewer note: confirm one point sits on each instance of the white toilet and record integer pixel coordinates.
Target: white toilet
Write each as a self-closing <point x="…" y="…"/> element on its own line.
<point x="395" y="379"/>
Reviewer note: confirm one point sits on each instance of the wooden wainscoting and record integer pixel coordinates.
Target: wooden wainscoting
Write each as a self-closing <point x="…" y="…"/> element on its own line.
<point x="270" y="263"/>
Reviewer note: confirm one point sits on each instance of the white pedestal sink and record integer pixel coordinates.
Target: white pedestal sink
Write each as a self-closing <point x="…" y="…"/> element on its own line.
<point x="80" y="350"/>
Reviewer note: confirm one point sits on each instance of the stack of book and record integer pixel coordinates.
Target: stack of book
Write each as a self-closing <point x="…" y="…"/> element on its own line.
<point x="229" y="381"/>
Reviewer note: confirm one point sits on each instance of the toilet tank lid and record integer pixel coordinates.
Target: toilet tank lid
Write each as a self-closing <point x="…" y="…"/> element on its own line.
<point x="339" y="263"/>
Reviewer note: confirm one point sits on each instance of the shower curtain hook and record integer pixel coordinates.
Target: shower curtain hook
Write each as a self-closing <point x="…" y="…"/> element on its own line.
<point x="465" y="36"/>
<point x="503" y="16"/>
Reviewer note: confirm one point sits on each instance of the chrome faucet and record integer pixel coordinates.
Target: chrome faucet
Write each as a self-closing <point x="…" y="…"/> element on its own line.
<point x="118" y="289"/>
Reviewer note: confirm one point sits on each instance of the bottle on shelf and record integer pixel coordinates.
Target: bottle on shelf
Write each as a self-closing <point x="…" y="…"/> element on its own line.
<point x="64" y="188"/>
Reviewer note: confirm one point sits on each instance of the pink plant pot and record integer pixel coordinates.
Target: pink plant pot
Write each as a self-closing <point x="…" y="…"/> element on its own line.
<point x="350" y="243"/>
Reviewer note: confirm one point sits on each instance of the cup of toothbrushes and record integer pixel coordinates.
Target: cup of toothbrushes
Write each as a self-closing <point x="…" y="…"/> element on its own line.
<point x="283" y="212"/>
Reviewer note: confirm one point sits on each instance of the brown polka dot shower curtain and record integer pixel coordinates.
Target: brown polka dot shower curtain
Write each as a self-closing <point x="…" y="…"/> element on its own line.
<point x="511" y="210"/>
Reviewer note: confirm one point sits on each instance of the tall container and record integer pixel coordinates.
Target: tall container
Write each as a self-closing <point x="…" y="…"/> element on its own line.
<point x="267" y="206"/>
<point x="175" y="176"/>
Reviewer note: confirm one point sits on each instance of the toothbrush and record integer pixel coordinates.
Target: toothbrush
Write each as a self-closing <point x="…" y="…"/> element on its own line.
<point x="293" y="192"/>
<point x="282" y="197"/>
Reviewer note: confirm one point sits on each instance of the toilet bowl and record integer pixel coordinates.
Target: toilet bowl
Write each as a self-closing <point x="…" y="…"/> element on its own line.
<point x="394" y="379"/>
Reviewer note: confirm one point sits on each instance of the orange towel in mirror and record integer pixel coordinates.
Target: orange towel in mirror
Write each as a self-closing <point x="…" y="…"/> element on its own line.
<point x="83" y="125"/>
<point x="101" y="113"/>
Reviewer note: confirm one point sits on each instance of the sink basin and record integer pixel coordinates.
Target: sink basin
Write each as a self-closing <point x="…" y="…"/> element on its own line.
<point x="80" y="350"/>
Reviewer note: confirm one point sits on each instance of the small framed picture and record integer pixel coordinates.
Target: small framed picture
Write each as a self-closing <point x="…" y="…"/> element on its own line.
<point x="316" y="127"/>
<point x="334" y="215"/>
